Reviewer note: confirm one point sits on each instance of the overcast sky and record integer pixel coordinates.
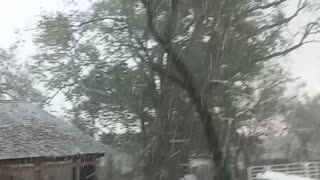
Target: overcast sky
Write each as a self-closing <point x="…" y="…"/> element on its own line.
<point x="23" y="14"/>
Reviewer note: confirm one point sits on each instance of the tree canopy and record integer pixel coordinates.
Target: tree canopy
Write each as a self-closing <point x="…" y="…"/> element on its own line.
<point x="182" y="76"/>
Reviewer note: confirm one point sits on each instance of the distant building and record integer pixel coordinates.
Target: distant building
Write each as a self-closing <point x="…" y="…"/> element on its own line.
<point x="35" y="145"/>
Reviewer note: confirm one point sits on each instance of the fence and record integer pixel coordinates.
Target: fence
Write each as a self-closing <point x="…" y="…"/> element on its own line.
<point x="306" y="169"/>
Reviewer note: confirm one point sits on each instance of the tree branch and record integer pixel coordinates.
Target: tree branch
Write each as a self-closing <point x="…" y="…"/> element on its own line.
<point x="309" y="31"/>
<point x="165" y="73"/>
<point x="49" y="99"/>
<point x="262" y="7"/>
<point x="283" y="21"/>
<point x="188" y="84"/>
<point x="10" y="95"/>
<point x="102" y="19"/>
<point x="92" y="21"/>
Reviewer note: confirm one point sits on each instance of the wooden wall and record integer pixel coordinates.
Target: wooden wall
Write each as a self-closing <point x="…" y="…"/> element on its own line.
<point x="66" y="170"/>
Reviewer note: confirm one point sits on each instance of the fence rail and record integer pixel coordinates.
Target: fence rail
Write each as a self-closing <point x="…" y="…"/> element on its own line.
<point x="306" y="169"/>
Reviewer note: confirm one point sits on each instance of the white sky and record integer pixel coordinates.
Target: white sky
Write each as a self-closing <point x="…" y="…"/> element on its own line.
<point x="23" y="14"/>
<point x="305" y="63"/>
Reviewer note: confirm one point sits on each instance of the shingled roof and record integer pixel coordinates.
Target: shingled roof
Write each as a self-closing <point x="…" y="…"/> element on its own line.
<point x="27" y="131"/>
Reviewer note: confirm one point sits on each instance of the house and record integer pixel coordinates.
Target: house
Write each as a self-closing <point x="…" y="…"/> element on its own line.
<point x="35" y="145"/>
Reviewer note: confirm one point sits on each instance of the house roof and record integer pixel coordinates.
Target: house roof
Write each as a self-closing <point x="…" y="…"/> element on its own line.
<point x="27" y="131"/>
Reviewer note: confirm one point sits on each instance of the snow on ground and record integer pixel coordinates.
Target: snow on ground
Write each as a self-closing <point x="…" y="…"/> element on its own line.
<point x="269" y="175"/>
